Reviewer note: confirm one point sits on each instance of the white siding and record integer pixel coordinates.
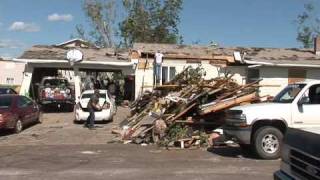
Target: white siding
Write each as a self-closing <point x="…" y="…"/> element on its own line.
<point x="273" y="76"/>
<point x="239" y="73"/>
<point x="274" y="79"/>
<point x="12" y="71"/>
<point x="145" y="78"/>
<point x="313" y="74"/>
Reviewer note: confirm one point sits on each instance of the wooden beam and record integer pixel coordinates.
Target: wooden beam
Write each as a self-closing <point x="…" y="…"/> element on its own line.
<point x="228" y="103"/>
<point x="183" y="112"/>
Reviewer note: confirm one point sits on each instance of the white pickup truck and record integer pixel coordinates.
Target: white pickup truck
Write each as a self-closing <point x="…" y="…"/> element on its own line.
<point x="260" y="127"/>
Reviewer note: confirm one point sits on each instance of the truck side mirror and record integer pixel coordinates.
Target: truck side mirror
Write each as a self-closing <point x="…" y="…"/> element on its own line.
<point x="303" y="100"/>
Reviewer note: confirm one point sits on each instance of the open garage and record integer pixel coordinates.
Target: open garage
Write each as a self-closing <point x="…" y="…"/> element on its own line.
<point x="96" y="65"/>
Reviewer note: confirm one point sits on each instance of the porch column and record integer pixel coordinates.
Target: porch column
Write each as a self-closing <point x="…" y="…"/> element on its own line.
<point x="26" y="81"/>
<point x="77" y="83"/>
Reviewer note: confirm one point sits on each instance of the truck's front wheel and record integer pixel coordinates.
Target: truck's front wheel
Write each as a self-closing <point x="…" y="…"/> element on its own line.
<point x="267" y="142"/>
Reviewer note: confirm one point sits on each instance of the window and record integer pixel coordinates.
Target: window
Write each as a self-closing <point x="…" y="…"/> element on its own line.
<point x="253" y="75"/>
<point x="55" y="82"/>
<point x="288" y="94"/>
<point x="7" y="91"/>
<point x="88" y="96"/>
<point x="10" y="80"/>
<point x="172" y="73"/>
<point x="165" y="74"/>
<point x="24" y="102"/>
<point x="296" y="75"/>
<point x="168" y="73"/>
<point x="313" y="95"/>
<point x="5" y="102"/>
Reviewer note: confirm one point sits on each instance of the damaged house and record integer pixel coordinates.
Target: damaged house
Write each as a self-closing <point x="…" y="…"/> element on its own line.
<point x="277" y="67"/>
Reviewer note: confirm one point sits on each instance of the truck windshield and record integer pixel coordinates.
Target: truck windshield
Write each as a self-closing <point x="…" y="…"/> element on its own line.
<point x="288" y="94"/>
<point x="84" y="96"/>
<point x="55" y="82"/>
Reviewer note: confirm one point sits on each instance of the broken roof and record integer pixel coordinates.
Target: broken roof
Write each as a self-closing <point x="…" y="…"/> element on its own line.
<point x="60" y="53"/>
<point x="267" y="56"/>
<point x="263" y="55"/>
<point x="180" y="51"/>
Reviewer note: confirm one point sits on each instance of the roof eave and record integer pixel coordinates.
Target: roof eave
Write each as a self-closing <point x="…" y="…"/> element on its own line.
<point x="250" y="62"/>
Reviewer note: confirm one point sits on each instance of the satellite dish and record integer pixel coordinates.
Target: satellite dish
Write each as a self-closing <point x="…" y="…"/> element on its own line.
<point x="74" y="55"/>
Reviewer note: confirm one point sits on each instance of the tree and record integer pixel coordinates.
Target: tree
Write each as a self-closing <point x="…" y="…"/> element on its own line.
<point x="308" y="25"/>
<point x="101" y="15"/>
<point x="151" y="21"/>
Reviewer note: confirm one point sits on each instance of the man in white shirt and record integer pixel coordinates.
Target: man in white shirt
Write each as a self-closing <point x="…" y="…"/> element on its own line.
<point x="158" y="59"/>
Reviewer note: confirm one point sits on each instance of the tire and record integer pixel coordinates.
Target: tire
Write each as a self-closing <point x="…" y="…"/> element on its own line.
<point x="18" y="126"/>
<point x="267" y="142"/>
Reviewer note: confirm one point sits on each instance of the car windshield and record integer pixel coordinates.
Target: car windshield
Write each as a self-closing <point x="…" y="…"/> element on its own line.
<point x="5" y="102"/>
<point x="102" y="95"/>
<point x="6" y="91"/>
<point x="55" y="82"/>
<point x="288" y="94"/>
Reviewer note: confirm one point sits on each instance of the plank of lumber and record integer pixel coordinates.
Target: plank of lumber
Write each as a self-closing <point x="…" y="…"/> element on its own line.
<point x="183" y="112"/>
<point x="170" y="86"/>
<point x="235" y="91"/>
<point x="228" y="103"/>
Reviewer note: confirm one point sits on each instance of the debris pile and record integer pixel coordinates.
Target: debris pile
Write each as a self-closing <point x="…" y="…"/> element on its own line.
<point x="185" y="111"/>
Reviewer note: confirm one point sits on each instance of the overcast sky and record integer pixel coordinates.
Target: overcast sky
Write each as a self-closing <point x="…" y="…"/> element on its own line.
<point x="256" y="23"/>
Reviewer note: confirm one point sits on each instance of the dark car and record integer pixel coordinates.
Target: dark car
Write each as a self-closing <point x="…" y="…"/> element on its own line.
<point x="300" y="157"/>
<point x="4" y="90"/>
<point x="16" y="112"/>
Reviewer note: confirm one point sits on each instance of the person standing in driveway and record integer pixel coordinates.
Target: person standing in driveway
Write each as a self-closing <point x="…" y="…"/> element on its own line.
<point x="93" y="105"/>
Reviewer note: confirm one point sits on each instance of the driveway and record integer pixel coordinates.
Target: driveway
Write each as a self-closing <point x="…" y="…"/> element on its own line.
<point x="58" y="128"/>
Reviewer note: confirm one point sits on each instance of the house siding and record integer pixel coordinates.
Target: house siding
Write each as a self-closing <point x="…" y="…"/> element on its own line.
<point x="144" y="78"/>
<point x="274" y="79"/>
<point x="12" y="70"/>
<point x="313" y="74"/>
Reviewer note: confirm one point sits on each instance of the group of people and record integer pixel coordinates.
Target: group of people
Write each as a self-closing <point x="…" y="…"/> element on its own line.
<point x="113" y="89"/>
<point x="112" y="86"/>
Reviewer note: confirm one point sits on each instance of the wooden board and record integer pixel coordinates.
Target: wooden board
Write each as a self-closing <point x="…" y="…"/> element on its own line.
<point x="228" y="103"/>
<point x="143" y="64"/>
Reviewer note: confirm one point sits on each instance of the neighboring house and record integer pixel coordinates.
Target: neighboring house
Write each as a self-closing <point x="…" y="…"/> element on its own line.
<point x="44" y="60"/>
<point x="11" y="73"/>
<point x="278" y="67"/>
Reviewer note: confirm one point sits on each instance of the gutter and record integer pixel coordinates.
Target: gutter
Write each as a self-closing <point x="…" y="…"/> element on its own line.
<point x="66" y="61"/>
<point x="279" y="65"/>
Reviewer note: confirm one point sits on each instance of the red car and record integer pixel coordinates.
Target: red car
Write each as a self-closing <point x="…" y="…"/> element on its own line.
<point x="16" y="112"/>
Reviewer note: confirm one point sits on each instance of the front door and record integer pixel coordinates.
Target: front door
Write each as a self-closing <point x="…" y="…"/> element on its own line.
<point x="307" y="114"/>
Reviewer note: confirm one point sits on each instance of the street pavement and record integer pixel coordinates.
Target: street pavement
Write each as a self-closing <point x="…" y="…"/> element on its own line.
<point x="117" y="161"/>
<point x="59" y="149"/>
